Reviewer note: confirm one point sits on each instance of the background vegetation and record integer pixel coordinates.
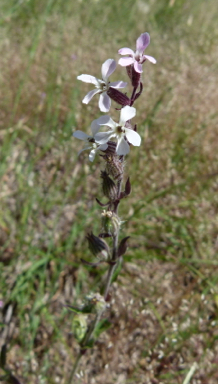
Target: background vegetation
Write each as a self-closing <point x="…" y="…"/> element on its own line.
<point x="164" y="313"/>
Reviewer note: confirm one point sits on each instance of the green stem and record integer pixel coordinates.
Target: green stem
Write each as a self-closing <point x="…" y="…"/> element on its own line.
<point x="71" y="378"/>
<point x="91" y="329"/>
<point x="115" y="248"/>
<point x="112" y="267"/>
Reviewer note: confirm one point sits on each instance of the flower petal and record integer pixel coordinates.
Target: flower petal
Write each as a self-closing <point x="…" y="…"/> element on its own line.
<point x="142" y="42"/>
<point x="106" y="120"/>
<point x="124" y="61"/>
<point x="88" y="79"/>
<point x="150" y="58"/>
<point x="127" y="113"/>
<point x="108" y="67"/>
<point x="102" y="147"/>
<point x="92" y="154"/>
<point x="104" y="102"/>
<point x="84" y="149"/>
<point x="90" y="95"/>
<point x="133" y="137"/>
<point x="103" y="120"/>
<point x="95" y="127"/>
<point x="126" y="51"/>
<point x="122" y="146"/>
<point x="138" y="67"/>
<point x="80" y="135"/>
<point x="103" y="137"/>
<point x="118" y="84"/>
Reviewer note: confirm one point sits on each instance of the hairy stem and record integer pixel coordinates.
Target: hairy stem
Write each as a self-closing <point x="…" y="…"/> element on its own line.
<point x="115" y="248"/>
<point x="91" y="329"/>
<point x="112" y="267"/>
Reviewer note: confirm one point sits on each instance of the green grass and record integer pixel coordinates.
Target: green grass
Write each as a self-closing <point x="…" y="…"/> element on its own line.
<point x="48" y="195"/>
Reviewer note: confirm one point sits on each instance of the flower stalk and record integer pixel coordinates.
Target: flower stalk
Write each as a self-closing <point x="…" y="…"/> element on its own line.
<point x="112" y="143"/>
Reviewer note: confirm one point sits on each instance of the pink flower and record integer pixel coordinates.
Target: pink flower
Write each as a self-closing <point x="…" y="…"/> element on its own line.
<point x="136" y="58"/>
<point x="102" y="86"/>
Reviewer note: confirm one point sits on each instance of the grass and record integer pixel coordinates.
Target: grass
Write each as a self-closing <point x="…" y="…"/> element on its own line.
<point x="164" y="316"/>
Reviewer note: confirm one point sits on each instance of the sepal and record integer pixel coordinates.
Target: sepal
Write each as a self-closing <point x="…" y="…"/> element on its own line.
<point x="128" y="187"/>
<point x="123" y="246"/>
<point x="136" y="76"/>
<point x="91" y="264"/>
<point x="127" y="190"/>
<point x="140" y="91"/>
<point x="101" y="204"/>
<point x="133" y="75"/>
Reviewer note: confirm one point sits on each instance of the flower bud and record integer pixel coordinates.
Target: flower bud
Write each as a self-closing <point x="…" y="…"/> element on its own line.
<point x="79" y="326"/>
<point x="111" y="149"/>
<point x="108" y="186"/>
<point x="114" y="166"/>
<point x="96" y="302"/>
<point x="110" y="222"/>
<point x="118" y="96"/>
<point x="98" y="246"/>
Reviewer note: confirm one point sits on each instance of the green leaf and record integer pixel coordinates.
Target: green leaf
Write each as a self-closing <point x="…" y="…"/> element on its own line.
<point x="86" y="309"/>
<point x="90" y="344"/>
<point x="102" y="326"/>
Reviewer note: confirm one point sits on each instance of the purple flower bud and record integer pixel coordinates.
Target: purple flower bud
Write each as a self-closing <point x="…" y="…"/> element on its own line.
<point x="109" y="187"/>
<point x="98" y="246"/>
<point x="118" y="96"/>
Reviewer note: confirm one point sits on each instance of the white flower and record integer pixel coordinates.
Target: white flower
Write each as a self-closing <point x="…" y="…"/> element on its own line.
<point x="136" y="58"/>
<point x="102" y="86"/>
<point x="90" y="141"/>
<point x="119" y="131"/>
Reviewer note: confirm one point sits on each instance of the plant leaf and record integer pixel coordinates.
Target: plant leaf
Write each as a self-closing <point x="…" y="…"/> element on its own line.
<point x="102" y="326"/>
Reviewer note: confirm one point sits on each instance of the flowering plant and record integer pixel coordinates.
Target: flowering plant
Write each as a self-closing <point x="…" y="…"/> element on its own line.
<point x="112" y="145"/>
